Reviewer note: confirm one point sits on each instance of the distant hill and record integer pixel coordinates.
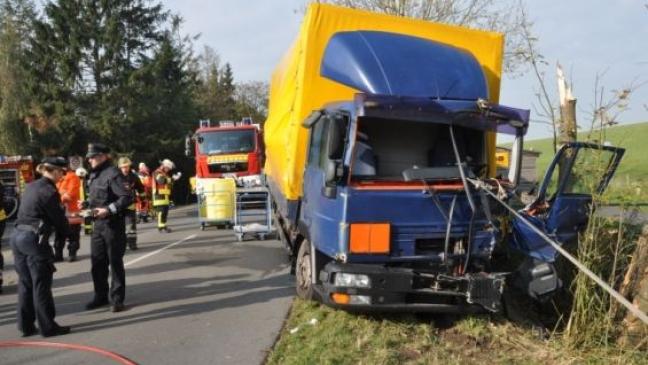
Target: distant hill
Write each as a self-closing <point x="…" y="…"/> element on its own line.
<point x="632" y="176"/>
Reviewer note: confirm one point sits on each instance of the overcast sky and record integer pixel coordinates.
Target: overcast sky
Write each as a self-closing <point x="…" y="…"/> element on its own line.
<point x="586" y="37"/>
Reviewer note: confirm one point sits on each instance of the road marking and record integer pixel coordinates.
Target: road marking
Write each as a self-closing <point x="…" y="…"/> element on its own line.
<point x="159" y="250"/>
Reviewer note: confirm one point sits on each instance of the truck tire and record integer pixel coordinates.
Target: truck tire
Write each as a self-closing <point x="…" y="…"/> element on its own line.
<point x="303" y="272"/>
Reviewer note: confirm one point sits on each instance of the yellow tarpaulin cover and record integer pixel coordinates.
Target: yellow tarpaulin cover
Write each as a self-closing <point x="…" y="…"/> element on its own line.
<point x="296" y="88"/>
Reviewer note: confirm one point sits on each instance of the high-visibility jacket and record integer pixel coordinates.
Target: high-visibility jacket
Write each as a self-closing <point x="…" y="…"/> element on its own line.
<point x="69" y="188"/>
<point x="161" y="184"/>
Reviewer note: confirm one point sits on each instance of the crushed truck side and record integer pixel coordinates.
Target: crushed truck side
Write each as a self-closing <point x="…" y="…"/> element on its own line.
<point x="378" y="128"/>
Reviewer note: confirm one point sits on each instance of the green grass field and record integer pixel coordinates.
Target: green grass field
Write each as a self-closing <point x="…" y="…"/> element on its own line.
<point x="630" y="184"/>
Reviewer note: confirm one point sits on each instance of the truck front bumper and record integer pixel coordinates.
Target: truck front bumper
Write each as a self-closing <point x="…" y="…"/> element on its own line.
<point x="397" y="289"/>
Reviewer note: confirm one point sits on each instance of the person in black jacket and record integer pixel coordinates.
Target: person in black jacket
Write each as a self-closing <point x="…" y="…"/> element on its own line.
<point x="108" y="198"/>
<point x="40" y="213"/>
<point x="135" y="186"/>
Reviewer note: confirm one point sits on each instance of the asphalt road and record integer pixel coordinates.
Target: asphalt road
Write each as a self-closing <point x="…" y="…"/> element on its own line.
<point x="192" y="297"/>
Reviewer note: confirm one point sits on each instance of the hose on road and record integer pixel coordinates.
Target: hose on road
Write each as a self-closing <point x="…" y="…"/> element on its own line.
<point x="69" y="346"/>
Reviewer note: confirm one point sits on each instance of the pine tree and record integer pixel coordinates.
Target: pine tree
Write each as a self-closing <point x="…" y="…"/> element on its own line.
<point x="16" y="19"/>
<point x="226" y="90"/>
<point x="86" y="52"/>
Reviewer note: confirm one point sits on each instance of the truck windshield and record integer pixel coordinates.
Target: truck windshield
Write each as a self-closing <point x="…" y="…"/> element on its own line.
<point x="230" y="141"/>
<point x="386" y="148"/>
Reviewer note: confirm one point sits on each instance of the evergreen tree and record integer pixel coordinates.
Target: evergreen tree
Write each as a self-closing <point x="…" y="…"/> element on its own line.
<point x="226" y="90"/>
<point x="16" y="25"/>
<point x="86" y="52"/>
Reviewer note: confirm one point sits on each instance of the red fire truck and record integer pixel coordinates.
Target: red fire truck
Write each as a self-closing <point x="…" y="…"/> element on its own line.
<point x="15" y="173"/>
<point x="227" y="148"/>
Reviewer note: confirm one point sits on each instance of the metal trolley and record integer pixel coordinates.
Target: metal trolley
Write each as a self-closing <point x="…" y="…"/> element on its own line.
<point x="253" y="213"/>
<point x="215" y="202"/>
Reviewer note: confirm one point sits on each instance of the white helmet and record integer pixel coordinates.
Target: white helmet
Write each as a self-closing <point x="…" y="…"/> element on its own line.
<point x="81" y="172"/>
<point x="168" y="164"/>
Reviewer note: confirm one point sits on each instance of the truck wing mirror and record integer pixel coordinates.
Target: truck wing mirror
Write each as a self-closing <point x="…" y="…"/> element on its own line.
<point x="515" y="164"/>
<point x="335" y="141"/>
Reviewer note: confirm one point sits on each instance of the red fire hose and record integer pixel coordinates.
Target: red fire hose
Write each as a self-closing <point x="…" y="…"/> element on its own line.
<point x="68" y="346"/>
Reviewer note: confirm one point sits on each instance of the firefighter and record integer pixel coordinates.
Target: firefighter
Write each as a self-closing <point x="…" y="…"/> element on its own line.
<point x="108" y="200"/>
<point x="162" y="183"/>
<point x="144" y="202"/>
<point x="3" y="219"/>
<point x="39" y="214"/>
<point x="83" y="198"/>
<point x="69" y="188"/>
<point x="134" y="185"/>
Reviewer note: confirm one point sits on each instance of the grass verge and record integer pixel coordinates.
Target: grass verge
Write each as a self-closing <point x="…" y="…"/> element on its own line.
<point x="315" y="334"/>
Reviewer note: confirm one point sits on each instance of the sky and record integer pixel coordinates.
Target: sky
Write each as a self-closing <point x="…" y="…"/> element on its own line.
<point x="587" y="37"/>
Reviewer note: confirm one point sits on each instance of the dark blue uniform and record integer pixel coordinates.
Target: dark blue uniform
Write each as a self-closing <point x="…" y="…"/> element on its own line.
<point x="40" y="213"/>
<point x="135" y="186"/>
<point x="108" y="189"/>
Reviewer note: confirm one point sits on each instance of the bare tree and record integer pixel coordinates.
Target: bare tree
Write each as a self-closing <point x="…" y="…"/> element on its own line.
<point x="608" y="107"/>
<point x="252" y="99"/>
<point x="504" y="16"/>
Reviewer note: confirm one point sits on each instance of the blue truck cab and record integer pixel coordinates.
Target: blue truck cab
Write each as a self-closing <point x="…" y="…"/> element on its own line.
<point x="391" y="218"/>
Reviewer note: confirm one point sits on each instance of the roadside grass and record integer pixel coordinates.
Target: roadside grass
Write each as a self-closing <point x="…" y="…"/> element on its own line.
<point x="316" y="334"/>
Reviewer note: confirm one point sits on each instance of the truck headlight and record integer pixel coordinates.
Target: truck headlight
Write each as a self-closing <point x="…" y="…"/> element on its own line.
<point x="352" y="280"/>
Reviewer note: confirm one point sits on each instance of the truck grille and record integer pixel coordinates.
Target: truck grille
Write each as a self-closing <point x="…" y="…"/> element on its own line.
<point x="421" y="240"/>
<point x="426" y="246"/>
<point x="228" y="167"/>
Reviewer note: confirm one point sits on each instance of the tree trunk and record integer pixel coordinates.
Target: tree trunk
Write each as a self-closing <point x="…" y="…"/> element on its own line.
<point x="634" y="333"/>
<point x="567" y="125"/>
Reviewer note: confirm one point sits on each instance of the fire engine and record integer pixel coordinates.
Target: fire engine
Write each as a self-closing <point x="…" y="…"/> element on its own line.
<point x="227" y="148"/>
<point x="15" y="173"/>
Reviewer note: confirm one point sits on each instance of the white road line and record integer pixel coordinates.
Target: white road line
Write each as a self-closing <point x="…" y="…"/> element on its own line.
<point x="159" y="250"/>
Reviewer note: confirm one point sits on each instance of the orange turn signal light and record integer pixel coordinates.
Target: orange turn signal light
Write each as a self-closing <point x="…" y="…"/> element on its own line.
<point x="341" y="298"/>
<point x="369" y="238"/>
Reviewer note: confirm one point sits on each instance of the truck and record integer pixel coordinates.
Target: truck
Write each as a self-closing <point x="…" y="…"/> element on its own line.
<point x="226" y="148"/>
<point x="15" y="173"/>
<point x="381" y="140"/>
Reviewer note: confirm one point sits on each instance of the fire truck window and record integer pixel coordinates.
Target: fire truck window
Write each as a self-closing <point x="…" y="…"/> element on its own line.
<point x="232" y="141"/>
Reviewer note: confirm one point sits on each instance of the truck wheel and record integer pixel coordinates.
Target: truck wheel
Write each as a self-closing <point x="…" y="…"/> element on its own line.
<point x="303" y="272"/>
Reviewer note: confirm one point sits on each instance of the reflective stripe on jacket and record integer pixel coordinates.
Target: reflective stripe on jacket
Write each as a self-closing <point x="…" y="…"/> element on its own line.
<point x="161" y="188"/>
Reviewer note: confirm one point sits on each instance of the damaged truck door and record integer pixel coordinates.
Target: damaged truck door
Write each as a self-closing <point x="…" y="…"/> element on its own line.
<point x="562" y="209"/>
